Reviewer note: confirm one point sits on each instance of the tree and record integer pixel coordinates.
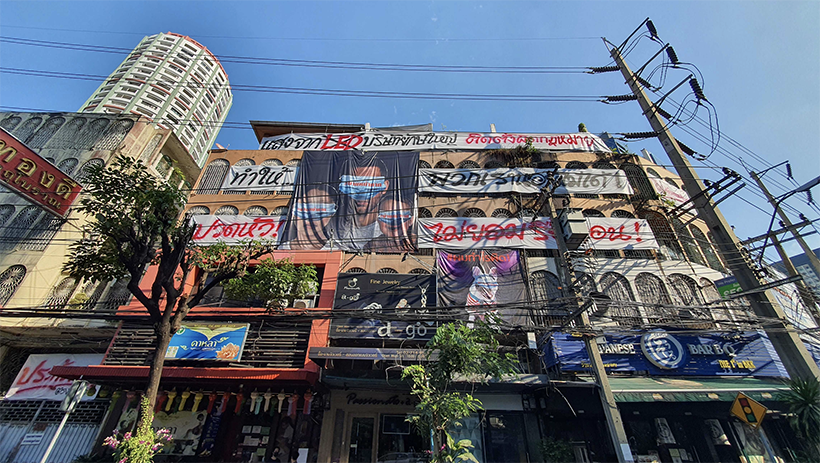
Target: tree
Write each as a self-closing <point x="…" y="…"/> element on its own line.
<point x="803" y="399"/>
<point x="459" y="351"/>
<point x="276" y="283"/>
<point x="135" y="222"/>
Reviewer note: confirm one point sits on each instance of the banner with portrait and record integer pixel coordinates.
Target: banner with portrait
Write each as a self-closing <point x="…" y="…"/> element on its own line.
<point x="486" y="232"/>
<point x="354" y="201"/>
<point x="481" y="282"/>
<point x="523" y="180"/>
<point x="260" y="178"/>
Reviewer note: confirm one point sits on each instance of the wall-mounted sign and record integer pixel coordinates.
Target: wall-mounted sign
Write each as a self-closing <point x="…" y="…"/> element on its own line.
<point x="34" y="382"/>
<point x="260" y="178"/>
<point x="358" y="328"/>
<point x="728" y="286"/>
<point x="186" y="428"/>
<point x="201" y="341"/>
<point x="486" y="232"/>
<point x="666" y="353"/>
<point x="376" y="293"/>
<point x="414" y="141"/>
<point x="26" y="173"/>
<point x="522" y="180"/>
<point x="368" y="353"/>
<point x="235" y="229"/>
<point x="617" y="234"/>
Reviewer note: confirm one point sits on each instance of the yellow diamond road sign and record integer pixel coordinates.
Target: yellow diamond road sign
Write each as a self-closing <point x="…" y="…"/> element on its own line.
<point x="749" y="411"/>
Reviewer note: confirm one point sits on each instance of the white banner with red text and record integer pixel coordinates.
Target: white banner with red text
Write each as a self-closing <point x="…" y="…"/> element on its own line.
<point x="486" y="232"/>
<point x="612" y="233"/>
<point x="34" y="382"/>
<point x="236" y="229"/>
<point x="260" y="178"/>
<point x="522" y="180"/>
<point x="414" y="141"/>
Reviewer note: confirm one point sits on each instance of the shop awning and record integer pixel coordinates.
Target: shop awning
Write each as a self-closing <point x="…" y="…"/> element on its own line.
<point x="109" y="373"/>
<point x="694" y="390"/>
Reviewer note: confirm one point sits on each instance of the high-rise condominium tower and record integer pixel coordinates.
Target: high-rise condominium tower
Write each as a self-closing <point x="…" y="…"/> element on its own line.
<point x="174" y="81"/>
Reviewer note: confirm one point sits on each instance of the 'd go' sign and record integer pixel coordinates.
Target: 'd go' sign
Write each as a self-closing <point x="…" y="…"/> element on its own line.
<point x="26" y="173"/>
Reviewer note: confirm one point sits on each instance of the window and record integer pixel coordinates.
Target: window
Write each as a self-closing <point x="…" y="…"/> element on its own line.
<point x="501" y="213"/>
<point x="46" y="132"/>
<point x="28" y="128"/>
<point x="651" y="289"/>
<point x="164" y="166"/>
<point x="19" y="226"/>
<point x="199" y="210"/>
<point x="280" y="211"/>
<point x="602" y="165"/>
<point x="387" y="270"/>
<point x="622" y="214"/>
<point x="213" y="177"/>
<point x="671" y="182"/>
<point x="255" y="211"/>
<point x="586" y="283"/>
<point x="6" y="211"/>
<point x="67" y="166"/>
<point x="526" y="214"/>
<point x="271" y="162"/>
<point x="576" y="165"/>
<point x="424" y="213"/>
<point x="227" y="210"/>
<point x="548" y="165"/>
<point x="617" y="287"/>
<point x="706" y="248"/>
<point x="10" y="280"/>
<point x="355" y="270"/>
<point x="151" y="146"/>
<point x="423" y="164"/>
<point x="68" y="136"/>
<point x="474" y="212"/>
<point x="446" y="212"/>
<point x="294" y="163"/>
<point x="468" y="165"/>
<point x="592" y="213"/>
<point x="444" y="165"/>
<point x="41" y="234"/>
<point x="493" y="164"/>
<point x="670" y="248"/>
<point x="686" y="289"/>
<point x="11" y="122"/>
<point x="117" y="296"/>
<point x="61" y="293"/>
<point x="639" y="182"/>
<point x="545" y="286"/>
<point x="419" y="271"/>
<point x="690" y="248"/>
<point x="115" y="135"/>
<point x="652" y="172"/>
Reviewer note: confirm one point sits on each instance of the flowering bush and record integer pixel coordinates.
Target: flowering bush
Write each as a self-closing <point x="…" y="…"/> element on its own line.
<point x="140" y="446"/>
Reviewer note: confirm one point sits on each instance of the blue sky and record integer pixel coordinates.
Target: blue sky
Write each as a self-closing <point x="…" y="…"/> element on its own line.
<point x="760" y="63"/>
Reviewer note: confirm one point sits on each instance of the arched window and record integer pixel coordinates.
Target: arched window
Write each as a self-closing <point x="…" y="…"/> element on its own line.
<point x="585" y="283"/>
<point x="255" y="211"/>
<point x="709" y="291"/>
<point x="10" y="280"/>
<point x="86" y="168"/>
<point x="690" y="248"/>
<point x="526" y="214"/>
<point x="592" y="213"/>
<point x="67" y="137"/>
<point x="545" y="286"/>
<point x="227" y="210"/>
<point x="705" y="246"/>
<point x="446" y="212"/>
<point x="239" y="163"/>
<point x="355" y="270"/>
<point x="199" y="210"/>
<point x="548" y="165"/>
<point x="576" y="165"/>
<point x="67" y="166"/>
<point x="474" y="212"/>
<point x="41" y="234"/>
<point x="444" y="165"/>
<point x="294" y="163"/>
<point x="720" y="254"/>
<point x="45" y="133"/>
<point x="280" y="210"/>
<point x="468" y="165"/>
<point x="671" y="182"/>
<point x="424" y="213"/>
<point x="617" y="287"/>
<point x="419" y="271"/>
<point x="93" y="290"/>
<point x="670" y="248"/>
<point x="639" y="182"/>
<point x="652" y="172"/>
<point x="11" y="122"/>
<point x="271" y="162"/>
<point x="686" y="289"/>
<point x="602" y="165"/>
<point x="28" y="128"/>
<point x="151" y="146"/>
<point x="61" y="293"/>
<point x="501" y="213"/>
<point x="423" y="164"/>
<point x="387" y="270"/>
<point x="622" y="214"/>
<point x="651" y="289"/>
<point x="6" y="211"/>
<point x="117" y="296"/>
<point x="493" y="164"/>
<point x="114" y="135"/>
<point x="213" y="177"/>
<point x="91" y="133"/>
<point x="19" y="226"/>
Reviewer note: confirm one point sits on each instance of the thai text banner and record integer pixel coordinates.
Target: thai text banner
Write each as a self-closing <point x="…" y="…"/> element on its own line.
<point x="26" y="173"/>
<point x="236" y="229"/>
<point x="200" y="341"/>
<point x="618" y="234"/>
<point x="486" y="232"/>
<point x="35" y="382"/>
<point x="522" y="180"/>
<point x="414" y="141"/>
<point x="260" y="178"/>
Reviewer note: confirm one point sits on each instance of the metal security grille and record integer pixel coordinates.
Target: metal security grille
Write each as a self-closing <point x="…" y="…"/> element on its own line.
<point x="10" y="279"/>
<point x="269" y="345"/>
<point x="42" y="136"/>
<point x="23" y="411"/>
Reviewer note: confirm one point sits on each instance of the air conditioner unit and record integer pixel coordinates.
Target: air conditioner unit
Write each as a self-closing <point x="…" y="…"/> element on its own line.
<point x="574" y="227"/>
<point x="303" y="303"/>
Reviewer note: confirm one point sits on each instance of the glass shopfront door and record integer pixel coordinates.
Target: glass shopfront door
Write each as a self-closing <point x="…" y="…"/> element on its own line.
<point x="361" y="437"/>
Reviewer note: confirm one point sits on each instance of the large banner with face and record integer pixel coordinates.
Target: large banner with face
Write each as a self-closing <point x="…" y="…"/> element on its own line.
<point x="236" y="229"/>
<point x="260" y="178"/>
<point x="354" y="201"/>
<point x="482" y="281"/>
<point x="414" y="141"/>
<point x="486" y="232"/>
<point x="522" y="180"/>
<point x="614" y="233"/>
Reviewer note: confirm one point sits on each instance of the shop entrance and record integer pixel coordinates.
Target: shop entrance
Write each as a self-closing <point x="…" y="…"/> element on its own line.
<point x="383" y="438"/>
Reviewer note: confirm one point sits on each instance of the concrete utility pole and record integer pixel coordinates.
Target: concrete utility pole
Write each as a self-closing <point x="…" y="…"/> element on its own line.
<point x="787" y="343"/>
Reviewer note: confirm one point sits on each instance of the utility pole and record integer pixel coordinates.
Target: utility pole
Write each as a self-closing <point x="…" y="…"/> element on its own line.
<point x="787" y="343"/>
<point x="615" y="424"/>
<point x="802" y="289"/>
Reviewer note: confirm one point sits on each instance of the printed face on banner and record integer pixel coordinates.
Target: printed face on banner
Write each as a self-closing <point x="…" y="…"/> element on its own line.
<point x="481" y="281"/>
<point x="353" y="201"/>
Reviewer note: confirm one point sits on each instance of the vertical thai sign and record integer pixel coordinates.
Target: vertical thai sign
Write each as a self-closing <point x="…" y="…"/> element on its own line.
<point x="26" y="173"/>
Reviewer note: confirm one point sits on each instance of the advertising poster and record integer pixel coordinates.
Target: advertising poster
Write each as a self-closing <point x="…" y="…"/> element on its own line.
<point x="523" y="180"/>
<point x="236" y="229"/>
<point x="486" y="232"/>
<point x="200" y="341"/>
<point x="354" y="201"/>
<point x="385" y="293"/>
<point x="34" y="382"/>
<point x="186" y="427"/>
<point x="482" y="282"/>
<point x="260" y="178"/>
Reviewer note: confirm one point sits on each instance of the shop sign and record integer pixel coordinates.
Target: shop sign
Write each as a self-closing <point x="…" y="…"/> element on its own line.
<point x="399" y="400"/>
<point x="34" y="382"/>
<point x="728" y="286"/>
<point x="26" y="173"/>
<point x="666" y="353"/>
<point x="260" y="178"/>
<point x="236" y="229"/>
<point x="376" y="293"/>
<point x="355" y="328"/>
<point x="201" y="341"/>
<point x="524" y="180"/>
<point x="368" y="353"/>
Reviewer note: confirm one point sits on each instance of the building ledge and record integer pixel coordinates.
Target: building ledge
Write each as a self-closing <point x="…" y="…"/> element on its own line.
<point x="121" y="373"/>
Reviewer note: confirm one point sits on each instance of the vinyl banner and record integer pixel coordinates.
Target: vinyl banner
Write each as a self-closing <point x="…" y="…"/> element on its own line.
<point x="260" y="178"/>
<point x="486" y="232"/>
<point x="482" y="281"/>
<point x="361" y="328"/>
<point x="236" y="229"/>
<point x="414" y="141"/>
<point x="35" y="382"/>
<point x="669" y="192"/>
<point x="522" y="180"/>
<point x="385" y="293"/>
<point x="201" y="341"/>
<point x="617" y="234"/>
<point x="354" y="201"/>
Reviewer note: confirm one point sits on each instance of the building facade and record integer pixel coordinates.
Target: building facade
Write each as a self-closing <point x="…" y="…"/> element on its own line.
<point x="176" y="83"/>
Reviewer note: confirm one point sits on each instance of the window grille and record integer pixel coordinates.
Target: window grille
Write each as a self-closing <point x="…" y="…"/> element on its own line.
<point x="114" y="135"/>
<point x="6" y="211"/>
<point x="227" y="210"/>
<point x="255" y="211"/>
<point x="446" y="212"/>
<point x="622" y="214"/>
<point x="705" y="246"/>
<point x="355" y="270"/>
<point x="548" y="165"/>
<point x="117" y="296"/>
<point x="424" y="213"/>
<point x="199" y="210"/>
<point x="28" y="128"/>
<point x="10" y="280"/>
<point x="576" y="165"/>
<point x="502" y="213"/>
<point x="239" y="163"/>
<point x="419" y="271"/>
<point x="639" y="182"/>
<point x="423" y="164"/>
<point x="387" y="270"/>
<point x="617" y="287"/>
<point x="45" y="133"/>
<point x="213" y="177"/>
<point x="41" y="234"/>
<point x="67" y="166"/>
<point x="586" y="283"/>
<point x="86" y="168"/>
<point x="444" y="165"/>
<point x="671" y="182"/>
<point x="669" y="246"/>
<point x="493" y="164"/>
<point x="474" y="212"/>
<point x="690" y="248"/>
<point x="468" y="165"/>
<point x="652" y="172"/>
<point x="151" y="147"/>
<point x="93" y="290"/>
<point x="61" y="293"/>
<point x="271" y="162"/>
<point x="686" y="289"/>
<point x="280" y="210"/>
<point x="592" y="213"/>
<point x="651" y="289"/>
<point x="602" y="165"/>
<point x="20" y="226"/>
<point x="526" y="214"/>
<point x="11" y="122"/>
<point x="91" y="133"/>
<point x="294" y="163"/>
<point x="544" y="286"/>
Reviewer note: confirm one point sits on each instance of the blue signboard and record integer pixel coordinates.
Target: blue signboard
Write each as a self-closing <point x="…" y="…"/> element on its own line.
<point x="205" y="341"/>
<point x="660" y="352"/>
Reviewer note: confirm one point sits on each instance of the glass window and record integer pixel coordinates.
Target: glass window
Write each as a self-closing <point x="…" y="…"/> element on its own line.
<point x="505" y="438"/>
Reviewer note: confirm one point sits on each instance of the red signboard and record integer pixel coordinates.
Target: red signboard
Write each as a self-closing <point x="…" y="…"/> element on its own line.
<point x="32" y="177"/>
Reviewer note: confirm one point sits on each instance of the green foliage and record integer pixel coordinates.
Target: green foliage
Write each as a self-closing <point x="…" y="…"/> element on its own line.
<point x="456" y="451"/>
<point x="582" y="127"/>
<point x="525" y="155"/>
<point x="803" y="400"/>
<point x="274" y="282"/>
<point x="458" y="351"/>
<point x="141" y="445"/>
<point x="556" y="450"/>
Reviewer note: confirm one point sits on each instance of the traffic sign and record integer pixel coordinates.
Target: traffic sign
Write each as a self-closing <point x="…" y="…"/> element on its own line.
<point x="748" y="410"/>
